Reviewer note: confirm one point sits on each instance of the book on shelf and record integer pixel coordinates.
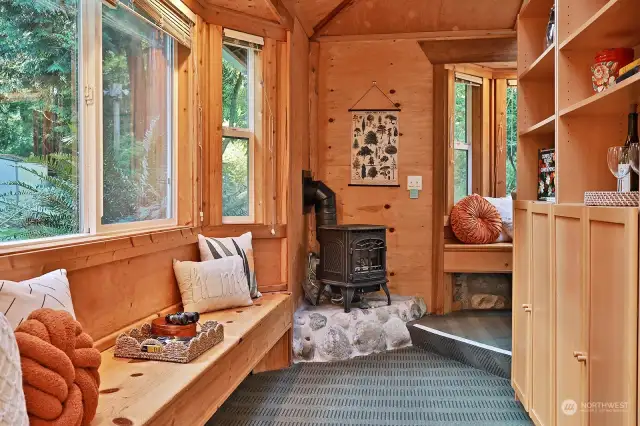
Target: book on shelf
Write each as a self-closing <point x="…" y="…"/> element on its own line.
<point x="547" y="175"/>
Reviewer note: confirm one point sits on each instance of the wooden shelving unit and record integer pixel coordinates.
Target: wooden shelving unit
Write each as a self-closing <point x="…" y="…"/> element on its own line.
<point x="566" y="254"/>
<point x="557" y="105"/>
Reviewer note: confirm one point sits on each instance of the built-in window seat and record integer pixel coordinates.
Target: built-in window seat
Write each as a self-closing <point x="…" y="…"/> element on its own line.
<point x="475" y="258"/>
<point x="139" y="392"/>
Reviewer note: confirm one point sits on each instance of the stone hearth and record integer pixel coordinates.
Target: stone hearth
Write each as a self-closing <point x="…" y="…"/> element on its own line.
<point x="326" y="333"/>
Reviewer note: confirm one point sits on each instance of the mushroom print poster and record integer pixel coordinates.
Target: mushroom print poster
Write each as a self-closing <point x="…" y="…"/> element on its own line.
<point x="374" y="148"/>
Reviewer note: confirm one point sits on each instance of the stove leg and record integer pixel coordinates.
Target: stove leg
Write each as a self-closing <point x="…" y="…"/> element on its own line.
<point x="386" y="290"/>
<point x="320" y="291"/>
<point x="347" y="297"/>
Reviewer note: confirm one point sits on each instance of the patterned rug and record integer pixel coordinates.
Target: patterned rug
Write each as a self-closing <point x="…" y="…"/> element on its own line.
<point x="407" y="387"/>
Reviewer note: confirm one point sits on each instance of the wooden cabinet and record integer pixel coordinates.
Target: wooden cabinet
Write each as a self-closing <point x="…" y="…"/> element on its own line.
<point x="533" y="311"/>
<point x="521" y="319"/>
<point x="577" y="347"/>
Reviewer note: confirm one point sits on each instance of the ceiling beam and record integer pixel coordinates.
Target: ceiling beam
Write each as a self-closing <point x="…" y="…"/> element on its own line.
<point x="235" y="20"/>
<point x="281" y="12"/>
<point x="344" y="4"/>
<point x="421" y="36"/>
<point x="470" y="51"/>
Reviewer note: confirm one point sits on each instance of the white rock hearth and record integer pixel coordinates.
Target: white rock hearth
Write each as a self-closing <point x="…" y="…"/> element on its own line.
<point x="326" y="333"/>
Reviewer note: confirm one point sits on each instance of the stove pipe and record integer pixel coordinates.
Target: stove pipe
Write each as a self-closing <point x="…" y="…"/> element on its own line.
<point x="320" y="196"/>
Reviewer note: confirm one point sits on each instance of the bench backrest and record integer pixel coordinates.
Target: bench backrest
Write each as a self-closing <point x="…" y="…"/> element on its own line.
<point x="118" y="282"/>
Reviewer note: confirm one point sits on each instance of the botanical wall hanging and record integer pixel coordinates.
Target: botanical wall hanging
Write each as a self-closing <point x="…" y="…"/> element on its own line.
<point x="375" y="142"/>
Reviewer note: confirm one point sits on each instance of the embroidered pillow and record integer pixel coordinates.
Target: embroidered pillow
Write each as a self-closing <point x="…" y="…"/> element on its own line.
<point x="217" y="248"/>
<point x="19" y="299"/>
<point x="212" y="285"/>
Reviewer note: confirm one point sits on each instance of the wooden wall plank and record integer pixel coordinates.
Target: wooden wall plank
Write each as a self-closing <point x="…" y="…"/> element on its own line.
<point x="441" y="129"/>
<point x="346" y="72"/>
<point x="314" y="64"/>
<point x="298" y="158"/>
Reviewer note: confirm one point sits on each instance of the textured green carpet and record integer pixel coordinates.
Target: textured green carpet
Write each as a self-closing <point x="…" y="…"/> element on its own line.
<point x="408" y="387"/>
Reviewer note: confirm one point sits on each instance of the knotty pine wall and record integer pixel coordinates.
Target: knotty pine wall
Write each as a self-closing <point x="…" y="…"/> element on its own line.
<point x="345" y="71"/>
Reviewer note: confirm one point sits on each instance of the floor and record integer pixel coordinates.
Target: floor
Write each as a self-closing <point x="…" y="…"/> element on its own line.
<point x="492" y="328"/>
<point x="406" y="387"/>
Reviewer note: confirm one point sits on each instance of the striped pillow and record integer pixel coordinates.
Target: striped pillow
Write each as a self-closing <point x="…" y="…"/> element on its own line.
<point x="217" y="248"/>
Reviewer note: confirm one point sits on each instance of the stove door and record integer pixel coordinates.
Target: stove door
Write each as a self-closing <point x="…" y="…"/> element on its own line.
<point x="368" y="259"/>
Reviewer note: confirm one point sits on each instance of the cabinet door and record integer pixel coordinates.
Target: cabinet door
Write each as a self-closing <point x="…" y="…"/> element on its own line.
<point x="541" y="403"/>
<point x="567" y="273"/>
<point x="612" y="278"/>
<point x="520" y="379"/>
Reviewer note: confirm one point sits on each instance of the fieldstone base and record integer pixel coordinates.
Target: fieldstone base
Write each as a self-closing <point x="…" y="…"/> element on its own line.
<point x="326" y="333"/>
<point x="483" y="291"/>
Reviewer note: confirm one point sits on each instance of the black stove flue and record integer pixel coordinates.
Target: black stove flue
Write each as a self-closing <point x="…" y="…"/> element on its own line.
<point x="353" y="260"/>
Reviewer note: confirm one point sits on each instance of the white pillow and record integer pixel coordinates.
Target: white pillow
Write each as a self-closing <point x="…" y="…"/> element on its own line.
<point x="13" y="410"/>
<point x="216" y="248"/>
<point x="19" y="299"/>
<point x="212" y="285"/>
<point x="505" y="208"/>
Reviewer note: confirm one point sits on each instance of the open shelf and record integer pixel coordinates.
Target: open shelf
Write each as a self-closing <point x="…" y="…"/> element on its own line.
<point x="615" y="100"/>
<point x="541" y="68"/>
<point x="544" y="127"/>
<point x="536" y="9"/>
<point x="614" y="25"/>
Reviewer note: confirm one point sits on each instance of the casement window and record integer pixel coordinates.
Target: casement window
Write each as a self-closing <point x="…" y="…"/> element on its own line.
<point x="241" y="107"/>
<point x="88" y="102"/>
<point x="462" y="132"/>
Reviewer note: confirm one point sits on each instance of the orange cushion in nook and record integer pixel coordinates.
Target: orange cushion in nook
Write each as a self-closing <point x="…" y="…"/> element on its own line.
<point x="474" y="220"/>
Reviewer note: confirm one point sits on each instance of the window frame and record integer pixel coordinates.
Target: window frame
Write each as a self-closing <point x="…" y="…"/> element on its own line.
<point x="90" y="135"/>
<point x="254" y="109"/>
<point x="467" y="145"/>
<point x="99" y="154"/>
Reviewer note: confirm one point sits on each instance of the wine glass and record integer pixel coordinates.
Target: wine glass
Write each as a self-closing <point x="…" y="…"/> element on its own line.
<point x="618" y="161"/>
<point x="634" y="157"/>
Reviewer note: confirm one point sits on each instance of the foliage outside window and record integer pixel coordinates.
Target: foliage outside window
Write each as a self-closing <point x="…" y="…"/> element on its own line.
<point x="137" y="80"/>
<point x="512" y="137"/>
<point x="238" y="103"/>
<point x="49" y="165"/>
<point x="462" y="141"/>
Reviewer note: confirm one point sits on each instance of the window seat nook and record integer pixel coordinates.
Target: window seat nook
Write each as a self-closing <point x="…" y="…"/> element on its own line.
<point x="475" y="258"/>
<point x="139" y="392"/>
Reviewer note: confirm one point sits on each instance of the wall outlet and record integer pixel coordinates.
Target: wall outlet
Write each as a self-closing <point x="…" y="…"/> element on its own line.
<point x="414" y="182"/>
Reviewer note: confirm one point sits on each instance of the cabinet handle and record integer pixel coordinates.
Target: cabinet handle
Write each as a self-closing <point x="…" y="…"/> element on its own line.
<point x="526" y="307"/>
<point x="580" y="356"/>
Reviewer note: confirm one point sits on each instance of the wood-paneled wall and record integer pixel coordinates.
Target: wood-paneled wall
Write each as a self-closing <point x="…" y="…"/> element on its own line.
<point x="402" y="71"/>
<point x="298" y="157"/>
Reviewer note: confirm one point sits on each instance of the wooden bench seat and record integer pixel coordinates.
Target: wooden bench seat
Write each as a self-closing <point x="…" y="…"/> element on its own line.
<point x="478" y="258"/>
<point x="139" y="392"/>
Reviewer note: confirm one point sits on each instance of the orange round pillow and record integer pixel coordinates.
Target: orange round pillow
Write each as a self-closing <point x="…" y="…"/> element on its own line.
<point x="474" y="220"/>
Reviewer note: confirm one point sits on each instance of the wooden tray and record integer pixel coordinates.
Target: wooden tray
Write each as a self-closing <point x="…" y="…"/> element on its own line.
<point x="129" y="344"/>
<point x="611" y="198"/>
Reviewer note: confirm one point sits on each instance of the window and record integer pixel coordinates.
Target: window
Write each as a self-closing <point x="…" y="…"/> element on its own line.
<point x="512" y="134"/>
<point x="462" y="141"/>
<point x="87" y="125"/>
<point x="137" y="119"/>
<point x="240" y="105"/>
<point x="39" y="139"/>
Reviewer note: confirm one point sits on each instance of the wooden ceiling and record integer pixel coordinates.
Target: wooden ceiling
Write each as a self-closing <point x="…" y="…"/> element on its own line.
<point x="363" y="17"/>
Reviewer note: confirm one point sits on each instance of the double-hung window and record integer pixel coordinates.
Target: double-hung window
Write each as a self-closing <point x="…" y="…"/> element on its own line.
<point x="241" y="104"/>
<point x="512" y="134"/>
<point x="462" y="131"/>
<point x="88" y="100"/>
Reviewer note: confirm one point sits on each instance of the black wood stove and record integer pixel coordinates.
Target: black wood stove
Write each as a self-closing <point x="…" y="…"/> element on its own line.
<point x="353" y="260"/>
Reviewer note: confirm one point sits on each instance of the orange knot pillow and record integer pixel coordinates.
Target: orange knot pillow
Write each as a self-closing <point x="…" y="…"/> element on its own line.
<point x="474" y="220"/>
<point x="59" y="369"/>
